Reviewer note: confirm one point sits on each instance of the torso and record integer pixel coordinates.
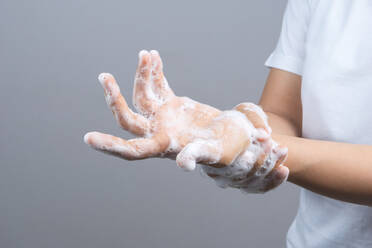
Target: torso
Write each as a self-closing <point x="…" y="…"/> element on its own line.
<point x="337" y="106"/>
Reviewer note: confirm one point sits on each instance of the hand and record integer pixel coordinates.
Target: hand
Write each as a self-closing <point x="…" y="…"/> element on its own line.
<point x="259" y="169"/>
<point x="178" y="127"/>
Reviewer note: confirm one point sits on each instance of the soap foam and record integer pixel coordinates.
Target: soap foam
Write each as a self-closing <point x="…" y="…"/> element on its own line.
<point x="203" y="148"/>
<point x="235" y="175"/>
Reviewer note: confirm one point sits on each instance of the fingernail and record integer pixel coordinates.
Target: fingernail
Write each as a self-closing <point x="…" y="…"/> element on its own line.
<point x="103" y="77"/>
<point x="142" y="53"/>
<point x="187" y="165"/>
<point x="86" y="138"/>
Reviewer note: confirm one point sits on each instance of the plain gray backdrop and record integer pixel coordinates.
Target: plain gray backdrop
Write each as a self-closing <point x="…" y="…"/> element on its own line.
<point x="57" y="192"/>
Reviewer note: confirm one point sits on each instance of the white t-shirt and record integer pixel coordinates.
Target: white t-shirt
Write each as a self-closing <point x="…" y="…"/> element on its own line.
<point x="329" y="43"/>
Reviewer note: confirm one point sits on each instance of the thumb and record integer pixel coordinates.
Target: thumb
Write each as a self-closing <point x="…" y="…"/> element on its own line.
<point x="205" y="151"/>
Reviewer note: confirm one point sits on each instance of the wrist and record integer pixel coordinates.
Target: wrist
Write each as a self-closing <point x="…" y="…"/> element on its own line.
<point x="294" y="159"/>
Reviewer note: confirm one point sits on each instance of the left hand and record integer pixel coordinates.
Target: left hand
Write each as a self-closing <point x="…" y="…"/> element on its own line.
<point x="181" y="128"/>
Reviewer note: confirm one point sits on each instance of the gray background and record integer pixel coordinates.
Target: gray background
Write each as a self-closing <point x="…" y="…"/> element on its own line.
<point x="57" y="192"/>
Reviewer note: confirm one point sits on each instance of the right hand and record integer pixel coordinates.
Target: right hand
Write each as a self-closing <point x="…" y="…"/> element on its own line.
<point x="259" y="168"/>
<point x="181" y="128"/>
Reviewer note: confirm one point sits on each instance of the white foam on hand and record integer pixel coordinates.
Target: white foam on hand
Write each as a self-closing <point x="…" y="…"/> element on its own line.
<point x="234" y="147"/>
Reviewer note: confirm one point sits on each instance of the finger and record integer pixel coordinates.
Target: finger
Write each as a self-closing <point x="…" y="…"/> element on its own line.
<point x="127" y="119"/>
<point x="279" y="155"/>
<point x="264" y="169"/>
<point x="256" y="115"/>
<point x="257" y="164"/>
<point x="266" y="162"/>
<point x="160" y="84"/>
<point x="144" y="98"/>
<point x="251" y="182"/>
<point x="279" y="175"/>
<point x="269" y="175"/>
<point x="133" y="149"/>
<point x="206" y="151"/>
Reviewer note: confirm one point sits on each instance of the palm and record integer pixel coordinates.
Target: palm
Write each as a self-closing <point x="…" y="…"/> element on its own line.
<point x="179" y="121"/>
<point x="178" y="127"/>
<point x="165" y="122"/>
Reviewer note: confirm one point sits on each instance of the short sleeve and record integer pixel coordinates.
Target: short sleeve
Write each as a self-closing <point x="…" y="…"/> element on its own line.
<point x="289" y="53"/>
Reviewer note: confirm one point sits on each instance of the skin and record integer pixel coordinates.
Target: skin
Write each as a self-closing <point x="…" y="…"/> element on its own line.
<point x="338" y="170"/>
<point x="183" y="129"/>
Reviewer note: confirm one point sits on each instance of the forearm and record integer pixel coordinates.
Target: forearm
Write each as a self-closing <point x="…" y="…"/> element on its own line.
<point x="282" y="125"/>
<point x="338" y="170"/>
<point x="281" y="101"/>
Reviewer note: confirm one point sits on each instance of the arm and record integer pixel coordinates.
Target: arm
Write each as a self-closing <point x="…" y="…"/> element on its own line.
<point x="338" y="170"/>
<point x="281" y="100"/>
